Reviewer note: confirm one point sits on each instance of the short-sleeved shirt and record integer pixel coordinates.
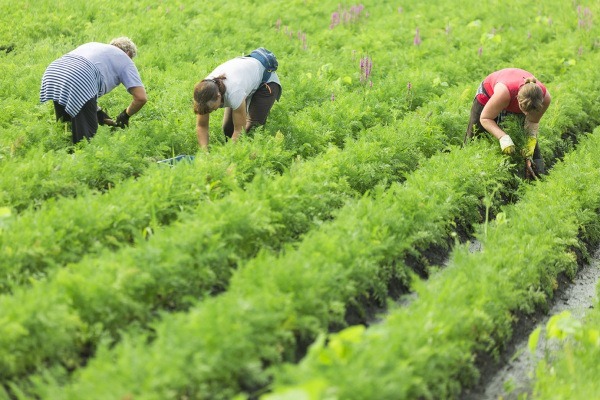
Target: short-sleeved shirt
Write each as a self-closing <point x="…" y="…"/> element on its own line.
<point x="243" y="77"/>
<point x="89" y="71"/>
<point x="513" y="78"/>
<point x="114" y="65"/>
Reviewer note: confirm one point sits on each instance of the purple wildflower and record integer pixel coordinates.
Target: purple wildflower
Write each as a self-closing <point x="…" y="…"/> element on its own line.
<point x="417" y="39"/>
<point x="584" y="17"/>
<point x="346" y="16"/>
<point x="335" y="20"/>
<point x="366" y="65"/>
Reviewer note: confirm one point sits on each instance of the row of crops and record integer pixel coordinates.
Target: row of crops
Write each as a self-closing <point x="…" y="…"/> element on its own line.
<point x="571" y="371"/>
<point x="121" y="278"/>
<point x="426" y="349"/>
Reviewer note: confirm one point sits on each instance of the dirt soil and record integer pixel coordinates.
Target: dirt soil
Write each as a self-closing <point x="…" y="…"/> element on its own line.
<point x="510" y="376"/>
<point x="512" y="379"/>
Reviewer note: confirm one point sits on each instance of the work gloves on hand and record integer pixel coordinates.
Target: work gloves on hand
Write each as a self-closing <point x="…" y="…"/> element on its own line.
<point x="507" y="145"/>
<point x="529" y="148"/>
<point x="104" y="118"/>
<point x="123" y="119"/>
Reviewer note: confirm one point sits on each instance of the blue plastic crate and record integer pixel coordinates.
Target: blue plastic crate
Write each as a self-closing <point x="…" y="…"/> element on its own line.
<point x="176" y="159"/>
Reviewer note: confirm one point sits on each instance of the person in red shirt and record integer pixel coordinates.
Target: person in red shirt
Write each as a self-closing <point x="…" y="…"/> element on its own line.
<point x="510" y="91"/>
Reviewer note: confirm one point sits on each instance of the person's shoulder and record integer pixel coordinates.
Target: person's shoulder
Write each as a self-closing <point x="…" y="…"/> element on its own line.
<point x="501" y="90"/>
<point x="240" y="60"/>
<point x="96" y="44"/>
<point x="87" y="45"/>
<point x="99" y="48"/>
<point x="118" y="54"/>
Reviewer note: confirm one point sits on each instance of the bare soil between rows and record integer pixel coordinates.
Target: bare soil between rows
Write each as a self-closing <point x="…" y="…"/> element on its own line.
<point x="511" y="377"/>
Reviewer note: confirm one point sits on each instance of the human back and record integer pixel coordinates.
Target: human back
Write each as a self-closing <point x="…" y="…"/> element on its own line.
<point x="245" y="88"/>
<point x="114" y="64"/>
<point x="243" y="75"/>
<point x="513" y="79"/>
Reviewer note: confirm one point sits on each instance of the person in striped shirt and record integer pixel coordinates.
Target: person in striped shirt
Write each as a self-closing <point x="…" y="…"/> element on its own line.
<point x="75" y="81"/>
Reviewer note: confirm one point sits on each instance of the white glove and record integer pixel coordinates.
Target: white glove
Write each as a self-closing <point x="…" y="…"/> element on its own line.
<point x="507" y="145"/>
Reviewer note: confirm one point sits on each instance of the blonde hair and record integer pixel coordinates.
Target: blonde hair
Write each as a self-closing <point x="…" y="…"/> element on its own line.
<point x="125" y="44"/>
<point x="530" y="96"/>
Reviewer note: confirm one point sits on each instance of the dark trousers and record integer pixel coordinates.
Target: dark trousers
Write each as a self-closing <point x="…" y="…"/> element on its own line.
<point x="260" y="106"/>
<point x="84" y="124"/>
<point x="475" y="127"/>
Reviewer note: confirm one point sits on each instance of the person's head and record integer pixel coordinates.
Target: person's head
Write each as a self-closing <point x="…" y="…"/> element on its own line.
<point x="208" y="95"/>
<point x="125" y="44"/>
<point x="530" y="96"/>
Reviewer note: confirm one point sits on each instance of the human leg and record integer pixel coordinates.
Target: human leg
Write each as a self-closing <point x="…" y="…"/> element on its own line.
<point x="85" y="123"/>
<point x="261" y="104"/>
<point x="474" y="126"/>
<point x="228" y="122"/>
<point x="60" y="113"/>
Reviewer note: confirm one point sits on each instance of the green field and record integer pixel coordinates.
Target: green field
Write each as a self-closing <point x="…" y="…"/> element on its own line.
<point x="273" y="267"/>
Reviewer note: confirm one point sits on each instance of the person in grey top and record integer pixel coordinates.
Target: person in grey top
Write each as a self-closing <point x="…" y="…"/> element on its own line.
<point x="237" y="86"/>
<point x="75" y="81"/>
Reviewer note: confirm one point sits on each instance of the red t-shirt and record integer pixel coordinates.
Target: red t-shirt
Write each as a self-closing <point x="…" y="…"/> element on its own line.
<point x="513" y="78"/>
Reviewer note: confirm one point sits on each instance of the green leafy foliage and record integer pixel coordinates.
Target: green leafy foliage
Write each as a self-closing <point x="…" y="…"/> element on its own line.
<point x="571" y="368"/>
<point x="295" y="225"/>
<point x="282" y="299"/>
<point x="426" y="349"/>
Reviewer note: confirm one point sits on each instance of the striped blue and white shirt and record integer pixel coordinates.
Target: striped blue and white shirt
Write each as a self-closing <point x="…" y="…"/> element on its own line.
<point x="89" y="71"/>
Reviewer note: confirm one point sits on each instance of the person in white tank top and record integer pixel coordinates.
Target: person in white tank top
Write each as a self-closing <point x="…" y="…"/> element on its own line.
<point x="236" y="86"/>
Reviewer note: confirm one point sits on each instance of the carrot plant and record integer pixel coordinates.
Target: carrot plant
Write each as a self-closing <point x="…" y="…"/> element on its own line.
<point x="288" y="299"/>
<point x="63" y="231"/>
<point x="310" y="147"/>
<point x="346" y="134"/>
<point x="279" y="210"/>
<point x="358" y="170"/>
<point x="569" y="369"/>
<point x="429" y="348"/>
<point x="161" y="128"/>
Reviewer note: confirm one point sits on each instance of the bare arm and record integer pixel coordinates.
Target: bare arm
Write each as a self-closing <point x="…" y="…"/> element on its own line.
<point x="532" y="119"/>
<point x="239" y="120"/>
<point x="139" y="99"/>
<point x="498" y="102"/>
<point x="202" y="121"/>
